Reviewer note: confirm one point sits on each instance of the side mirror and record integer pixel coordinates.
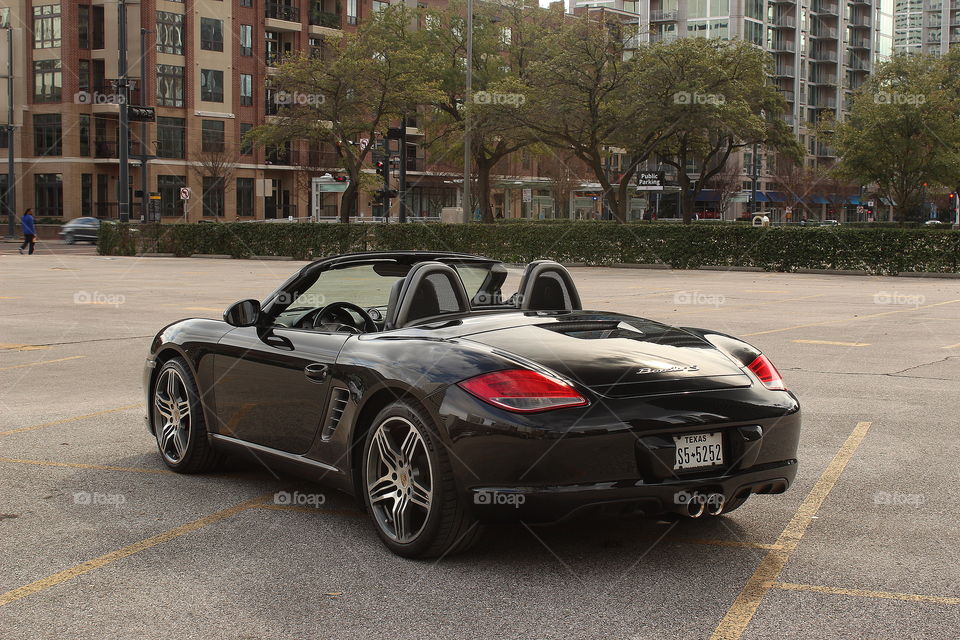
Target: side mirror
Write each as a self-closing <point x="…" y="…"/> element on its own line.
<point x="242" y="314"/>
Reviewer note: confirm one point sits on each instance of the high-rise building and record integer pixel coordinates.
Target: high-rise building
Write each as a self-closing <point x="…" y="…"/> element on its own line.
<point x="821" y="51"/>
<point x="927" y="26"/>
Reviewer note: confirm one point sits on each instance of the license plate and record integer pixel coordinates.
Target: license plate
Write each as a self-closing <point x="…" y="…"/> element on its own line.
<point x="697" y="450"/>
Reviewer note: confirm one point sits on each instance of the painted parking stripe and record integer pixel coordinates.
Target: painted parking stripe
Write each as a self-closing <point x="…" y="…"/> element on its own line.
<point x="33" y="364"/>
<point x="862" y="593"/>
<point x="78" y="465"/>
<point x="743" y="609"/>
<point x="834" y="343"/>
<point x="90" y="565"/>
<point x="952" y="346"/>
<point x="826" y="322"/>
<point x="66" y="420"/>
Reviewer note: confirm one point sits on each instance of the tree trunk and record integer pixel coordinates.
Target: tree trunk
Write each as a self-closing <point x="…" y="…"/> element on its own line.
<point x="348" y="202"/>
<point x="484" y="167"/>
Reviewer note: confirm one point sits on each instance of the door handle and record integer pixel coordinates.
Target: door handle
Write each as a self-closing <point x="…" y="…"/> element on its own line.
<point x="316" y="372"/>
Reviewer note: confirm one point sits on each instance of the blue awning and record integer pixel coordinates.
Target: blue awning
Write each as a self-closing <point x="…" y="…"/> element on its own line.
<point x="854" y="199"/>
<point x="775" y="196"/>
<point x="819" y="200"/>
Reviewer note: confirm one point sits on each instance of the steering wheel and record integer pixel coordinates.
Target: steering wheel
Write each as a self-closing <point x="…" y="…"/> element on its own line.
<point x="335" y="317"/>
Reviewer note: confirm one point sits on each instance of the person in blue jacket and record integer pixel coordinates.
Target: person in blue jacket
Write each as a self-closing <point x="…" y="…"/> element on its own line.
<point x="29" y="231"/>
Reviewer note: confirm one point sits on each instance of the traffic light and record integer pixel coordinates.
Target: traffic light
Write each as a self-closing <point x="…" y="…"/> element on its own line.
<point x="383" y="168"/>
<point x="141" y="114"/>
<point x="340" y="178"/>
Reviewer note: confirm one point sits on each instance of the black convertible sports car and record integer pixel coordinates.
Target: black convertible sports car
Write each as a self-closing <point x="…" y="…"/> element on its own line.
<point x="410" y="380"/>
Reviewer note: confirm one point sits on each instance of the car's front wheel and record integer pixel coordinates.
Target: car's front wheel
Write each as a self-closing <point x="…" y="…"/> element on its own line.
<point x="69" y="238"/>
<point x="178" y="420"/>
<point x="408" y="486"/>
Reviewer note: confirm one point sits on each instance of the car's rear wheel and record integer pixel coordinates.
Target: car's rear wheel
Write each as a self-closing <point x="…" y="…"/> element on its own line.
<point x="69" y="238"/>
<point x="408" y="486"/>
<point x="178" y="420"/>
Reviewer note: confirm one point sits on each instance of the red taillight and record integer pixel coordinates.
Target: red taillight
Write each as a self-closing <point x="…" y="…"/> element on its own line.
<point x="767" y="373"/>
<point x="523" y="391"/>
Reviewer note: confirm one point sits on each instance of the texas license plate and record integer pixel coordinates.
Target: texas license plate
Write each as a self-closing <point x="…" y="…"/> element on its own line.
<point x="697" y="450"/>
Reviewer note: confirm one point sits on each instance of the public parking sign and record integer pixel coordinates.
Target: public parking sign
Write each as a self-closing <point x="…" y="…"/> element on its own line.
<point x="184" y="193"/>
<point x="650" y="181"/>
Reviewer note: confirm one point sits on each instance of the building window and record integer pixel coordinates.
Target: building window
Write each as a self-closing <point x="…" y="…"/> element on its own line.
<point x="84" y="134"/>
<point x="213" y="204"/>
<point x="169" y="32"/>
<point x="83" y="26"/>
<point x="351" y="11"/>
<point x="211" y="34"/>
<point x="754" y="9"/>
<point x="211" y="139"/>
<point x="246" y="147"/>
<point x="246" y="40"/>
<point x="47" y="132"/>
<point x="211" y="85"/>
<point x="753" y="32"/>
<point x="379" y="6"/>
<point x="83" y="75"/>
<point x="4" y="137"/>
<point x="46" y="26"/>
<point x="86" y="194"/>
<point x="246" y="3"/>
<point x="244" y="196"/>
<point x="48" y="195"/>
<point x="169" y="189"/>
<point x="47" y="81"/>
<point x="169" y="86"/>
<point x="171" y="137"/>
<point x="96" y="27"/>
<point x="246" y="90"/>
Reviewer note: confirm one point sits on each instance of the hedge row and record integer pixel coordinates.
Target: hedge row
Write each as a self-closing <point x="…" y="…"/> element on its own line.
<point x="879" y="251"/>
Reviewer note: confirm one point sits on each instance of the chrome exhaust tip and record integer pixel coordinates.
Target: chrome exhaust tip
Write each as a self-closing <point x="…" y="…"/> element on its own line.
<point x="715" y="503"/>
<point x="696" y="506"/>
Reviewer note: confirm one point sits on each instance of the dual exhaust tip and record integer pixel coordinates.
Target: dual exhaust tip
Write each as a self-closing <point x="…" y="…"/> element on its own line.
<point x="701" y="503"/>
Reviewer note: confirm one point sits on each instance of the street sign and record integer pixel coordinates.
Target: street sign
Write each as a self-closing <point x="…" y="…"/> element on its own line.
<point x="141" y="114"/>
<point x="650" y="181"/>
<point x="184" y="193"/>
<point x="861" y="209"/>
<point x="870" y="203"/>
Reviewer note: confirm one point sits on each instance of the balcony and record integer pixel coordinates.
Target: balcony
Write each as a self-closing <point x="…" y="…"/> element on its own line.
<point x="787" y="95"/>
<point x="784" y="71"/>
<point x="783" y="22"/>
<point x="325" y="15"/>
<point x="663" y="16"/>
<point x="783" y="46"/>
<point x="823" y="78"/>
<point x="282" y="16"/>
<point x="861" y="22"/>
<point x="823" y="56"/>
<point x="825" y="103"/>
<point x="863" y="43"/>
<point x="858" y="64"/>
<point x="282" y="156"/>
<point x="825" y="8"/>
<point x="822" y="31"/>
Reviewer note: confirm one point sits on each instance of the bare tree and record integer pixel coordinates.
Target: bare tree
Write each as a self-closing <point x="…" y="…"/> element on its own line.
<point x="728" y="185"/>
<point x="217" y="161"/>
<point x="566" y="173"/>
<point x="796" y="183"/>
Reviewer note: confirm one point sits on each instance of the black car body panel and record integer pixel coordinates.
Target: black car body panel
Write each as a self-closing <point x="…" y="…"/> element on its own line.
<point x="646" y="382"/>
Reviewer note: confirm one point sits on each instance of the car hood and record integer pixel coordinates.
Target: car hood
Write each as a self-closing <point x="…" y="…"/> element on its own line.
<point x="617" y="356"/>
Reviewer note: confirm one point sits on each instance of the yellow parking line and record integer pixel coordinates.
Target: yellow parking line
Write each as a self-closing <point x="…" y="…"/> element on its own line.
<point x="9" y="297"/>
<point x="730" y="543"/>
<point x="861" y="593"/>
<point x="91" y="565"/>
<point x="33" y="364"/>
<point x="743" y="609"/>
<point x="352" y="513"/>
<point x="78" y="465"/>
<point x="22" y="347"/>
<point x="835" y="343"/>
<point x="66" y="420"/>
<point x="952" y="346"/>
<point x="826" y="322"/>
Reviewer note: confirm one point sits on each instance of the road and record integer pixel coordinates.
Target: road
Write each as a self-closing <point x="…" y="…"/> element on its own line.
<point x="98" y="539"/>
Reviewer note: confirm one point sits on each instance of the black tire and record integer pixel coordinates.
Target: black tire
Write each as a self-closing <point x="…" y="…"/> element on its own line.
<point x="194" y="454"/>
<point x="69" y="239"/>
<point x="448" y="527"/>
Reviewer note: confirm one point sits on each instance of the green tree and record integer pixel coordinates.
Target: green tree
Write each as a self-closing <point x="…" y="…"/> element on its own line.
<point x="366" y="81"/>
<point x="902" y="130"/>
<point x="720" y="103"/>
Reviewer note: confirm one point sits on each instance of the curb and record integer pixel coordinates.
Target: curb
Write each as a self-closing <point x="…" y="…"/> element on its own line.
<point x="156" y="255"/>
<point x="634" y="265"/>
<point x="271" y="257"/>
<point x="218" y="256"/>
<point x="834" y="272"/>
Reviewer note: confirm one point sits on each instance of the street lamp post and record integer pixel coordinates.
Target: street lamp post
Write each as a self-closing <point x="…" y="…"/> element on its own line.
<point x="123" y="199"/>
<point x="11" y="179"/>
<point x="467" y="97"/>
<point x="144" y="170"/>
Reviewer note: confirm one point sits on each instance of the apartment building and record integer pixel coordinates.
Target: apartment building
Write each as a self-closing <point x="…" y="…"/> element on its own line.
<point x="926" y="26"/>
<point x="205" y="66"/>
<point x="821" y="51"/>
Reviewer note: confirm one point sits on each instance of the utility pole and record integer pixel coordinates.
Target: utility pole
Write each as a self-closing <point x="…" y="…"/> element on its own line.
<point x="123" y="187"/>
<point x="755" y="175"/>
<point x="467" y="97"/>
<point x="144" y="169"/>
<point x="402" y="185"/>
<point x="11" y="177"/>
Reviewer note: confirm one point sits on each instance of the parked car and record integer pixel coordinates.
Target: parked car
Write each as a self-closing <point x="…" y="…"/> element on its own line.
<point x="933" y="223"/>
<point x="409" y="380"/>
<point x="85" y="228"/>
<point x="830" y="223"/>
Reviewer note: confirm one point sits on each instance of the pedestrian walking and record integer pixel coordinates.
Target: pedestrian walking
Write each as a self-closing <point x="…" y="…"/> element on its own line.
<point x="29" y="231"/>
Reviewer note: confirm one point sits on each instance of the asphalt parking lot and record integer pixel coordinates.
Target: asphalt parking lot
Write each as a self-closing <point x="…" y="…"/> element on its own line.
<point x="98" y="539"/>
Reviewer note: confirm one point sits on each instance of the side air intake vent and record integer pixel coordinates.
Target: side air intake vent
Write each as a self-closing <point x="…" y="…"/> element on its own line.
<point x="338" y="403"/>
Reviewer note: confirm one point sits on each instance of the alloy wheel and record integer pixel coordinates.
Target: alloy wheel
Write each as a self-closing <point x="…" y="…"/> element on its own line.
<point x="172" y="416"/>
<point x="399" y="479"/>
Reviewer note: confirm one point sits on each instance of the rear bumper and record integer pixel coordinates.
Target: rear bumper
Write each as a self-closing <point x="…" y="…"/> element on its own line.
<point x="622" y="498"/>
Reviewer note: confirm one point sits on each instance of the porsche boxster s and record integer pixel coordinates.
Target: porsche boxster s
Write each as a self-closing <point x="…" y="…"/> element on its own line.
<point x="413" y="382"/>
